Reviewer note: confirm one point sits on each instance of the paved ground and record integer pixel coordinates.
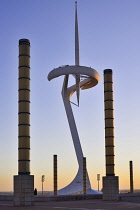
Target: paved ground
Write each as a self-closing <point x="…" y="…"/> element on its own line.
<point x="74" y="205"/>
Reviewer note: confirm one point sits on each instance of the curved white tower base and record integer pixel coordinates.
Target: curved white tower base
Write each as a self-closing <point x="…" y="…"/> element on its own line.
<point x="76" y="186"/>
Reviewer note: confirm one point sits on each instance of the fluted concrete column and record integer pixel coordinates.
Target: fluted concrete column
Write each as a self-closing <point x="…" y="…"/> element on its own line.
<point x="24" y="108"/>
<point x="131" y="176"/>
<point x="84" y="176"/>
<point x="109" y="122"/>
<point x="24" y="182"/>
<point x="110" y="182"/>
<point x="55" y="174"/>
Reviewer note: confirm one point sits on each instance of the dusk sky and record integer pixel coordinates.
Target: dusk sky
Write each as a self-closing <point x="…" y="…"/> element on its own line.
<point x="109" y="38"/>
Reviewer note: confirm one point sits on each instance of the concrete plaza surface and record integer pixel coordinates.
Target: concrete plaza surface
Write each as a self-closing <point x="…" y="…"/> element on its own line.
<point x="74" y="205"/>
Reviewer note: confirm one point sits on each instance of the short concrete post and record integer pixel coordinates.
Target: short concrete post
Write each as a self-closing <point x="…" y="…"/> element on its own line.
<point x="84" y="176"/>
<point x="131" y="176"/>
<point x="98" y="179"/>
<point x="55" y="173"/>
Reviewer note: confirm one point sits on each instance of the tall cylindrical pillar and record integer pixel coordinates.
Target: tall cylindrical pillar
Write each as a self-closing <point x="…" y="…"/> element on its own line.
<point x="84" y="176"/>
<point x="110" y="182"/>
<point x="131" y="176"/>
<point x="24" y="182"/>
<point x="55" y="173"/>
<point x="24" y="108"/>
<point x="109" y="122"/>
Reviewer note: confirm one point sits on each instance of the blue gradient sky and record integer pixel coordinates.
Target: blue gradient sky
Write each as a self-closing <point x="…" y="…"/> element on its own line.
<point x="109" y="38"/>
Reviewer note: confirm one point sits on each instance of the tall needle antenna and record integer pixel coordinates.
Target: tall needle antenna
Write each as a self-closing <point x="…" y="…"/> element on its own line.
<point x="76" y="37"/>
<point x="77" y="76"/>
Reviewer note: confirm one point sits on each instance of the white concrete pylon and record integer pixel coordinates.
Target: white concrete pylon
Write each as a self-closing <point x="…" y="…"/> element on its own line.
<point x="85" y="78"/>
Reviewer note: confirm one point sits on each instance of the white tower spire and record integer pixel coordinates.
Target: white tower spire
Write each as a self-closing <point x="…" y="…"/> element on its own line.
<point x="76" y="37"/>
<point x="77" y="76"/>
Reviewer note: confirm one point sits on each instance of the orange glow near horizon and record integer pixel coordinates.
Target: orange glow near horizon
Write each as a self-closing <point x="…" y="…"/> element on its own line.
<point x="6" y="181"/>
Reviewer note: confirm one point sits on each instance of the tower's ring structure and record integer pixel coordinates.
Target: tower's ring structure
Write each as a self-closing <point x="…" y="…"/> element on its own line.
<point x="89" y="75"/>
<point x="88" y="78"/>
